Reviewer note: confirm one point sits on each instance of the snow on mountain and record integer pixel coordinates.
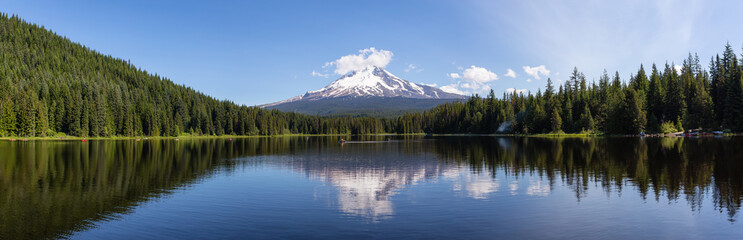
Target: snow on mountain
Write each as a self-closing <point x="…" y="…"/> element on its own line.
<point x="372" y="82"/>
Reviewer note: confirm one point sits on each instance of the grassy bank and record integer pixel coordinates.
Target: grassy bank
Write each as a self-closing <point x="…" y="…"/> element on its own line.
<point x="184" y="137"/>
<point x="567" y="135"/>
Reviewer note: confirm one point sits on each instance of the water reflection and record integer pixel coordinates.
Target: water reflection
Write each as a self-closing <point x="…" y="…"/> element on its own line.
<point x="537" y="188"/>
<point x="366" y="176"/>
<point x="366" y="192"/>
<point x="52" y="189"/>
<point x="49" y="189"/>
<point x="670" y="168"/>
<point x="477" y="186"/>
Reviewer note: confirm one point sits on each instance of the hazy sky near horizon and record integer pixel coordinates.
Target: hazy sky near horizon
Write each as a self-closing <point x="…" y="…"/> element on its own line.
<point x="255" y="52"/>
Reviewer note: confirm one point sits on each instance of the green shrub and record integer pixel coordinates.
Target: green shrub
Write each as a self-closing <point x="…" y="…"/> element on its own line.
<point x="668" y="127"/>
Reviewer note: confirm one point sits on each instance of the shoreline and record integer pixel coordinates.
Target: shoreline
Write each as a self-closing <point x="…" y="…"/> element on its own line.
<point x="75" y="138"/>
<point x="187" y="137"/>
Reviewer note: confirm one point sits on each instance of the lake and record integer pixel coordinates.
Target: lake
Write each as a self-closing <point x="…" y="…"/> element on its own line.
<point x="374" y="187"/>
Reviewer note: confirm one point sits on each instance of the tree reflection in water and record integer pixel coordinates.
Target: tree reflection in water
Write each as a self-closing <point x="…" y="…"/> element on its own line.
<point x="50" y="189"/>
<point x="671" y="168"/>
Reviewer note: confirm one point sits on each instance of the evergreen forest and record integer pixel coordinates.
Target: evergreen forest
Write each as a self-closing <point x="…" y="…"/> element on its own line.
<point x="51" y="86"/>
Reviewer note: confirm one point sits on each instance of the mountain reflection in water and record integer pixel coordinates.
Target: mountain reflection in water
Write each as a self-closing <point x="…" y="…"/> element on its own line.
<point x="54" y="189"/>
<point x="671" y="168"/>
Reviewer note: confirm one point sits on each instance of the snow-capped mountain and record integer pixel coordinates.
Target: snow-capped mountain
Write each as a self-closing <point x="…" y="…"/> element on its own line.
<point x="372" y="82"/>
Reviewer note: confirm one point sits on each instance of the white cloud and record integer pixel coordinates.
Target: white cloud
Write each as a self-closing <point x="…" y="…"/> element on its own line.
<point x="430" y="85"/>
<point x="412" y="67"/>
<point x="452" y="88"/>
<point x="528" y="80"/>
<point x="317" y="74"/>
<point x="365" y="58"/>
<point x="559" y="30"/>
<point x="538" y="189"/>
<point x="510" y="73"/>
<point x="481" y="188"/>
<point x="475" y="79"/>
<point x="479" y="75"/>
<point x="514" y="186"/>
<point x="678" y="68"/>
<point x="536" y="71"/>
<point x="515" y="91"/>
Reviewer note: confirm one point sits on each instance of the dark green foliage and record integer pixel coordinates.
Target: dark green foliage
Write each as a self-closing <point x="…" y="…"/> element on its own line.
<point x="630" y="114"/>
<point x="675" y="106"/>
<point x="555" y="121"/>
<point x="655" y="99"/>
<point x="640" y="82"/>
<point x="50" y="85"/>
<point x="692" y="99"/>
<point x="733" y="116"/>
<point x="699" y="112"/>
<point x="586" y="120"/>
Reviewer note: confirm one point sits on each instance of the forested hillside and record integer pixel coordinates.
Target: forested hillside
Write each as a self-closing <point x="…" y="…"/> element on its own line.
<point x="661" y="101"/>
<point x="380" y="107"/>
<point x="51" y="85"/>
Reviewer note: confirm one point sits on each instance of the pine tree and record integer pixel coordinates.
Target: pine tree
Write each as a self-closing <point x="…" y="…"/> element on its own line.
<point x="556" y="120"/>
<point x="42" y="124"/>
<point x="7" y="117"/>
<point x="718" y="92"/>
<point x="629" y="115"/>
<point x="549" y="90"/>
<point x="567" y="115"/>
<point x="603" y="102"/>
<point x="675" y="103"/>
<point x="734" y="97"/>
<point x="640" y="82"/>
<point x="586" y="120"/>
<point x="655" y="100"/>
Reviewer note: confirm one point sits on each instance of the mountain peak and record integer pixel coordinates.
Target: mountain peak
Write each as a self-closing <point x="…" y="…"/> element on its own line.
<point x="377" y="82"/>
<point x="372" y="81"/>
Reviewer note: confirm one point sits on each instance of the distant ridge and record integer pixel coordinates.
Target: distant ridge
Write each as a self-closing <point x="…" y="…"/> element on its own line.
<point x="368" y="106"/>
<point x="370" y="91"/>
<point x="53" y="87"/>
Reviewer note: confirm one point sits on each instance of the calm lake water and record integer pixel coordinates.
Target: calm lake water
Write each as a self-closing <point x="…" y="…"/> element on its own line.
<point x="407" y="187"/>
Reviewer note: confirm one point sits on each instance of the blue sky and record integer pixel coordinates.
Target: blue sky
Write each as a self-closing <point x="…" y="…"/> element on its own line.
<point x="255" y="52"/>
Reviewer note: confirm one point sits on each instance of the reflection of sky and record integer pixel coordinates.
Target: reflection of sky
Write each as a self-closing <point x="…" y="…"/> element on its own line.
<point x="409" y="195"/>
<point x="537" y="188"/>
<point x="514" y="186"/>
<point x="366" y="192"/>
<point x="477" y="186"/>
<point x="482" y="185"/>
<point x="433" y="201"/>
<point x="481" y="188"/>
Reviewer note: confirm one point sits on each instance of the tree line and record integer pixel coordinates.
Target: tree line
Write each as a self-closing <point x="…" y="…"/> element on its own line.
<point x="51" y="86"/>
<point x="664" y="100"/>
